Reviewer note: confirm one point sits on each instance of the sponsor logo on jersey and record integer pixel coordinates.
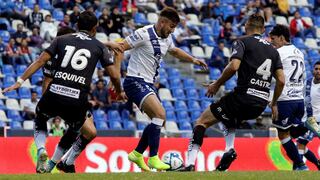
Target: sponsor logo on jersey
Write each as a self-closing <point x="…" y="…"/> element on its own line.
<point x="65" y="91"/>
<point x="70" y="77"/>
<point x="82" y="36"/>
<point x="259" y="82"/>
<point x="285" y="121"/>
<point x="294" y="93"/>
<point x="259" y="94"/>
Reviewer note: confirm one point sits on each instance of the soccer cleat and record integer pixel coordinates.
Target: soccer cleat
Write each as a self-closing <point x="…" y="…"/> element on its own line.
<point x="50" y="166"/>
<point x="313" y="126"/>
<point x="188" y="168"/>
<point x="41" y="160"/>
<point x="156" y="163"/>
<point x="226" y="160"/>
<point x="137" y="158"/>
<point x="62" y="166"/>
<point x="301" y="167"/>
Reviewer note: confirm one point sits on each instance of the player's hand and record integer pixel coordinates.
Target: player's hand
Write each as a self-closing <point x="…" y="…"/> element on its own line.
<point x="213" y="88"/>
<point x="274" y="110"/>
<point x="116" y="47"/>
<point x="11" y="88"/>
<point x="200" y="63"/>
<point x="122" y="97"/>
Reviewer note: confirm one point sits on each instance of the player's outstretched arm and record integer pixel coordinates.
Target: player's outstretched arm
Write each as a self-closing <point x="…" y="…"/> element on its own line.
<point x="119" y="55"/>
<point x="115" y="78"/>
<point x="43" y="58"/>
<point x="180" y="54"/>
<point x="280" y="81"/>
<point x="227" y="73"/>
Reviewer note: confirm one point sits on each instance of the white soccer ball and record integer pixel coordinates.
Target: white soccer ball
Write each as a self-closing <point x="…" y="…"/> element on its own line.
<point x="174" y="160"/>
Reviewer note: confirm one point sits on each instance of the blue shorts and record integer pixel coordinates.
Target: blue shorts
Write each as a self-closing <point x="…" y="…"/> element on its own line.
<point x="290" y="114"/>
<point x="137" y="90"/>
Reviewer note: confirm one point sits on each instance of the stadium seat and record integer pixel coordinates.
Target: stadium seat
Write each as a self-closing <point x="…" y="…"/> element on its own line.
<point x="173" y="73"/>
<point x="206" y="30"/>
<point x="163" y="73"/>
<point x="216" y="28"/>
<point x="2" y="124"/>
<point x="305" y="12"/>
<point x="228" y="11"/>
<point x="102" y="37"/>
<point x="28" y="125"/>
<point x="14" y="115"/>
<point x="12" y="104"/>
<point x="308" y="20"/>
<point x="15" y="23"/>
<point x="311" y="43"/>
<point x="205" y="104"/>
<point x="194" y="106"/>
<point x="152" y="18"/>
<point x="3" y="116"/>
<point x="208" y="51"/>
<point x="8" y="70"/>
<point x="186" y="49"/>
<point x="165" y="94"/>
<point x="45" y="4"/>
<point x="30" y="3"/>
<point x="140" y="19"/>
<point x="164" y="82"/>
<point x="197" y="51"/>
<point x="35" y="79"/>
<point x="45" y="12"/>
<point x="99" y="115"/>
<point x="101" y="125"/>
<point x="202" y="94"/>
<point x="178" y="94"/>
<point x="114" y="36"/>
<point x="167" y="105"/>
<point x="5" y="25"/>
<point x="183" y="116"/>
<point x="15" y="125"/>
<point x="38" y="89"/>
<point x="185" y="126"/>
<point x="12" y="94"/>
<point x="58" y="15"/>
<point x="20" y="69"/>
<point x="282" y="20"/>
<point x="125" y="115"/>
<point x="180" y="106"/>
<point x="115" y="125"/>
<point x="317" y="21"/>
<point x="298" y="42"/>
<point x="195" y="115"/>
<point x="189" y="83"/>
<point x="229" y="85"/>
<point x="171" y="127"/>
<point x="214" y="73"/>
<point x="175" y="83"/>
<point x="142" y="125"/>
<point x="2" y="106"/>
<point x="129" y="125"/>
<point x="209" y="41"/>
<point x="192" y="94"/>
<point x="170" y="115"/>
<point x="113" y="115"/>
<point x="24" y="103"/>
<point x="24" y="93"/>
<point x="193" y="19"/>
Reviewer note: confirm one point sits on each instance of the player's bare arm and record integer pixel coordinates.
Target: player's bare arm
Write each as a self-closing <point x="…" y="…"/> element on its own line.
<point x="280" y="81"/>
<point x="227" y="73"/>
<point x="115" y="78"/>
<point x="43" y="58"/>
<point x="116" y="47"/>
<point x="180" y="54"/>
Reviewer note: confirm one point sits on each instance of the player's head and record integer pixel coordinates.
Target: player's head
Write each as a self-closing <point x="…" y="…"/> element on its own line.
<point x="88" y="22"/>
<point x="280" y="35"/>
<point x="167" y="22"/>
<point x="255" y="24"/>
<point x="316" y="71"/>
<point x="65" y="30"/>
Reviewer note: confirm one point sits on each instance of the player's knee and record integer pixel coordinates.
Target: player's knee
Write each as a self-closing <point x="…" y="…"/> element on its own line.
<point x="161" y="114"/>
<point x="283" y="134"/>
<point x="202" y="122"/>
<point x="90" y="134"/>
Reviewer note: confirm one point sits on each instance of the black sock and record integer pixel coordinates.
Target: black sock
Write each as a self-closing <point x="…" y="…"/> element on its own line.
<point x="311" y="157"/>
<point x="198" y="134"/>
<point x="143" y="142"/>
<point x="154" y="139"/>
<point x="292" y="152"/>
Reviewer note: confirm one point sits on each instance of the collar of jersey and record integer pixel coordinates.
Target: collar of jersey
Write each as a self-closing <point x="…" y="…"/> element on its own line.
<point x="155" y="32"/>
<point x="85" y="32"/>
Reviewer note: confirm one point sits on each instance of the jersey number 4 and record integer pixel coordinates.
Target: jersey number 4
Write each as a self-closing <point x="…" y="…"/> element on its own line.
<point x="79" y="59"/>
<point x="264" y="69"/>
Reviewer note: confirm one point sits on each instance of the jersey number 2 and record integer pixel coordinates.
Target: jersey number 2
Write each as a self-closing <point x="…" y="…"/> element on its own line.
<point x="79" y="59"/>
<point x="264" y="69"/>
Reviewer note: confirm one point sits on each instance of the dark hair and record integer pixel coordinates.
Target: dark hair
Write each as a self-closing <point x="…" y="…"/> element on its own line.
<point x="99" y="80"/>
<point x="255" y="21"/>
<point x="171" y="14"/>
<point x="65" y="30"/>
<point x="317" y="63"/>
<point x="281" y="30"/>
<point x="87" y="20"/>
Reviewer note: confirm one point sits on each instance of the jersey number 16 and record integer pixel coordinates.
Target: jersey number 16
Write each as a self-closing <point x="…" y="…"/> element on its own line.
<point x="79" y="59"/>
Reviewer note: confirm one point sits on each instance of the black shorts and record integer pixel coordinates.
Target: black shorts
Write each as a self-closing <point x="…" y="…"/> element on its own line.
<point x="74" y="114"/>
<point x="232" y="108"/>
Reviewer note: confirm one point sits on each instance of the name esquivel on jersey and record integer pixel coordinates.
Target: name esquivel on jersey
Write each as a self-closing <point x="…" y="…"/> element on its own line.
<point x="259" y="61"/>
<point x="76" y="57"/>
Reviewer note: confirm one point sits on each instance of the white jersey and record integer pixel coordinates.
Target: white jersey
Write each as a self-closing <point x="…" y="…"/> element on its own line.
<point x="147" y="52"/>
<point x="314" y="99"/>
<point x="293" y="66"/>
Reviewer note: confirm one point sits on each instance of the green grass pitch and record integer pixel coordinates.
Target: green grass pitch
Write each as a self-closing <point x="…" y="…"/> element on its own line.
<point x="268" y="175"/>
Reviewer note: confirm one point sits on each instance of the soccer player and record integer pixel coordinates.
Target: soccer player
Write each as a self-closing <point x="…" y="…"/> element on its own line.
<point x="312" y="101"/>
<point x="149" y="45"/>
<point x="88" y="129"/>
<point x="255" y="61"/>
<point x="77" y="56"/>
<point x="291" y="102"/>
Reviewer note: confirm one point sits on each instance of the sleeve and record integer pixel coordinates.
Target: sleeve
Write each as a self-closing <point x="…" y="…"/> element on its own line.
<point x="48" y="70"/>
<point x="238" y="49"/>
<point x="137" y="38"/>
<point x="107" y="58"/>
<point x="171" y="43"/>
<point x="52" y="49"/>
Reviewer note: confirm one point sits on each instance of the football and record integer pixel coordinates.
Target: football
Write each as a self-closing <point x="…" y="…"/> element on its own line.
<point x="174" y="160"/>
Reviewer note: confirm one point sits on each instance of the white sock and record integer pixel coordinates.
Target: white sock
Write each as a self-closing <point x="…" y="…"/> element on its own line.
<point x="66" y="155"/>
<point x="57" y="155"/>
<point x="40" y="139"/>
<point x="230" y="139"/>
<point x="192" y="154"/>
<point x="76" y="149"/>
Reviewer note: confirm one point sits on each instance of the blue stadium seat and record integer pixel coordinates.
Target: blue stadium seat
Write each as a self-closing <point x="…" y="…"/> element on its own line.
<point x="14" y="115"/>
<point x="206" y="30"/>
<point x="35" y="79"/>
<point x="8" y="81"/>
<point x="316" y="21"/>
<point x="186" y="49"/>
<point x="12" y="94"/>
<point x="179" y="94"/>
<point x="192" y="94"/>
<point x="173" y="73"/>
<point x="2" y="124"/>
<point x="129" y="125"/>
<point x="205" y="104"/>
<point x="115" y="125"/>
<point x="98" y="13"/>
<point x="214" y="73"/>
<point x="142" y="125"/>
<point x="185" y="126"/>
<point x="24" y="93"/>
<point x="194" y="106"/>
<point x="5" y="24"/>
<point x="58" y="14"/>
<point x="163" y="73"/>
<point x="167" y="105"/>
<point x="15" y="125"/>
<point x="101" y="125"/>
<point x="20" y="69"/>
<point x="202" y="94"/>
<point x="228" y="11"/>
<point x="113" y="115"/>
<point x="229" y="85"/>
<point x="189" y="83"/>
<point x="38" y="89"/>
<point x="38" y="73"/>
<point x="313" y="54"/>
<point x="216" y="28"/>
<point x="299" y="43"/>
<point x="5" y="35"/>
<point x="208" y="40"/>
<point x="125" y="115"/>
<point x="2" y="105"/>
<point x="45" y="4"/>
<point x="183" y="116"/>
<point x="164" y="82"/>
<point x="175" y="83"/>
<point x="305" y="12"/>
<point x="195" y="115"/>
<point x="99" y="115"/>
<point x="30" y="3"/>
<point x="140" y="18"/>
<point x="8" y="70"/>
<point x="171" y="116"/>
<point x="180" y="106"/>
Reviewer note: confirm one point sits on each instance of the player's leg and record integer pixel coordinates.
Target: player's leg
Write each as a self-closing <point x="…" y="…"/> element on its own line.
<point x="304" y="151"/>
<point x="40" y="135"/>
